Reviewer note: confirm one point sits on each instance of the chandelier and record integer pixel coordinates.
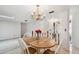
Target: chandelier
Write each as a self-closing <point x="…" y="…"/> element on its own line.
<point x="37" y="13"/>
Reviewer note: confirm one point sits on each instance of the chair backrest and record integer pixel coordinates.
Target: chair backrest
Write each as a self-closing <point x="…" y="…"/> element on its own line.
<point x="27" y="35"/>
<point x="33" y="34"/>
<point x="23" y="45"/>
<point x="45" y="34"/>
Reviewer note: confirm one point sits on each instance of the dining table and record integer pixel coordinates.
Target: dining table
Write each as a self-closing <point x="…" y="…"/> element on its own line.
<point x="42" y="43"/>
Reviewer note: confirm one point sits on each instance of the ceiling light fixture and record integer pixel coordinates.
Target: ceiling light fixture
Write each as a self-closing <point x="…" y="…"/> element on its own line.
<point x="37" y="13"/>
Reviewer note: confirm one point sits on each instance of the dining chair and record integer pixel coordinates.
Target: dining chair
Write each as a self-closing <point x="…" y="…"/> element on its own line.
<point x="48" y="51"/>
<point x="47" y="33"/>
<point x="27" y="35"/>
<point x="44" y="34"/>
<point x="34" y="34"/>
<point x="51" y="50"/>
<point x="23" y="46"/>
<point x="26" y="49"/>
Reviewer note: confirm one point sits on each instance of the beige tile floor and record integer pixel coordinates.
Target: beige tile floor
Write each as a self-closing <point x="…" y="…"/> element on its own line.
<point x="63" y="51"/>
<point x="75" y="50"/>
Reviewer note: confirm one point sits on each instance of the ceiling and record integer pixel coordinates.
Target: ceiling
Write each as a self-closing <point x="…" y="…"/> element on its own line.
<point x="23" y="12"/>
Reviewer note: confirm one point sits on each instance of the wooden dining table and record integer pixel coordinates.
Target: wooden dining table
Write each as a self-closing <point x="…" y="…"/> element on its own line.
<point x="42" y="43"/>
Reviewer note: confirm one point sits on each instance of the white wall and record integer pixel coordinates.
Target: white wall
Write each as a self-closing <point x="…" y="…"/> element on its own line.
<point x="75" y="25"/>
<point x="9" y="30"/>
<point x="33" y="25"/>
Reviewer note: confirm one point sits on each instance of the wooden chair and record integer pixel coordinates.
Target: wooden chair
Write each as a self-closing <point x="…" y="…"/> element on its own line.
<point x="48" y="51"/>
<point x="47" y="33"/>
<point x="32" y="50"/>
<point x="25" y="48"/>
<point x="32" y="33"/>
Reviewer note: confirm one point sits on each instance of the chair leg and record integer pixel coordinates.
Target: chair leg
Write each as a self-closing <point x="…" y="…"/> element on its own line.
<point x="25" y="51"/>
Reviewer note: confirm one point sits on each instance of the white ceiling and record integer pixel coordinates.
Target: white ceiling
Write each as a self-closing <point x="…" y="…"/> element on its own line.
<point x="23" y="12"/>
